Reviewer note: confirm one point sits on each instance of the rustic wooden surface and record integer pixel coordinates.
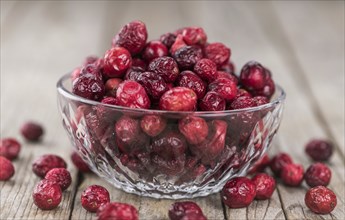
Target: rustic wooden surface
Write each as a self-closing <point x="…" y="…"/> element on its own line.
<point x="301" y="42"/>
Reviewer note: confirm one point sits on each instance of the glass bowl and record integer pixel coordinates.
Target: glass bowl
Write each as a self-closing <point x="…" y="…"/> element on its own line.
<point x="164" y="154"/>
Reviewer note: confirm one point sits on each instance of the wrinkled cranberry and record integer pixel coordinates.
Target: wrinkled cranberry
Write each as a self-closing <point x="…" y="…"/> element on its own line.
<point x="9" y="148"/>
<point x="169" y="145"/>
<point x="243" y="92"/>
<point x="228" y="67"/>
<point x="212" y="101"/>
<point x="127" y="130"/>
<point x="133" y="164"/>
<point x="278" y="162"/>
<point x="178" y="99"/>
<point x="132" y="36"/>
<point x="206" y="69"/>
<point x="6" y="169"/>
<point x="94" y="197"/>
<point x="47" y="195"/>
<point x="238" y="192"/>
<point x="186" y="57"/>
<point x="265" y="185"/>
<point x="59" y="176"/>
<point x="320" y="200"/>
<point x="116" y="210"/>
<point x="166" y="67"/>
<point x="179" y="43"/>
<point x="138" y="64"/>
<point x="171" y="167"/>
<point x="111" y="86"/>
<point x="116" y="61"/>
<point x="131" y="94"/>
<point x="195" y="129"/>
<point x="260" y="100"/>
<point x="218" y="53"/>
<point x="292" y="174"/>
<point x="242" y="102"/>
<point x="318" y="174"/>
<point x="153" y="125"/>
<point x="154" y="49"/>
<point x="79" y="163"/>
<point x="32" y="131"/>
<point x="231" y="76"/>
<point x="132" y="74"/>
<point x="319" y="150"/>
<point x="103" y="112"/>
<point x="168" y="39"/>
<point x="260" y="165"/>
<point x="194" y="35"/>
<point x="154" y="85"/>
<point x="95" y="124"/>
<point x="224" y="87"/>
<point x="46" y="162"/>
<point x="193" y="170"/>
<point x="179" y="209"/>
<point x="192" y="81"/>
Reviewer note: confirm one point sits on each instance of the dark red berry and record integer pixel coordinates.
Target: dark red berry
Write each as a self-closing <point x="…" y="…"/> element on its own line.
<point x="320" y="200"/>
<point x="319" y="150"/>
<point x="127" y="130"/>
<point x="132" y="36"/>
<point x="154" y="49"/>
<point x="94" y="197"/>
<point x="292" y="174"/>
<point x="231" y="76"/>
<point x="9" y="148"/>
<point x="265" y="185"/>
<point x="153" y="125"/>
<point x="179" y="43"/>
<point x="206" y="69"/>
<point x="32" y="131"/>
<point x="111" y="86"/>
<point x="195" y="129"/>
<point x="228" y="67"/>
<point x="218" y="53"/>
<point x="180" y="209"/>
<point x="166" y="67"/>
<point x="138" y="64"/>
<point x="318" y="174"/>
<point x="168" y="39"/>
<point x="109" y="101"/>
<point x="243" y="92"/>
<point x="190" y="80"/>
<point x="131" y="94"/>
<point x="194" y="35"/>
<point x="169" y="145"/>
<point x="186" y="57"/>
<point x="60" y="176"/>
<point x="172" y="167"/>
<point x="46" y="162"/>
<point x="6" y="169"/>
<point x="79" y="163"/>
<point x="132" y="74"/>
<point x="116" y="61"/>
<point x="118" y="211"/>
<point x="260" y="165"/>
<point x="212" y="101"/>
<point x="224" y="87"/>
<point x="260" y="100"/>
<point x="154" y="85"/>
<point x="238" y="192"/>
<point x="178" y="99"/>
<point x="242" y="102"/>
<point x="278" y="162"/>
<point x="47" y="195"/>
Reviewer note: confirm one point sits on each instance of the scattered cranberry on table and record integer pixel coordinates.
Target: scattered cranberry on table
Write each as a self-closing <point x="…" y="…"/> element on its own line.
<point x="265" y="185"/>
<point x="278" y="162"/>
<point x="47" y="195"/>
<point x="94" y="197"/>
<point x="32" y="131"/>
<point x="46" y="162"/>
<point x="318" y="174"/>
<point x="238" y="192"/>
<point x="319" y="150"/>
<point x="320" y="200"/>
<point x="60" y="176"/>
<point x="116" y="210"/>
<point x="185" y="210"/>
<point x="6" y="169"/>
<point x="292" y="174"/>
<point x="9" y="148"/>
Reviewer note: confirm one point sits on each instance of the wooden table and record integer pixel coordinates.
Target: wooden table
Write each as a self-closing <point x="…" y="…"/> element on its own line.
<point x="301" y="42"/>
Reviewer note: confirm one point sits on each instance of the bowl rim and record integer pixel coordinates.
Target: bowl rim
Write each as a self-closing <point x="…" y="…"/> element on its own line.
<point x="68" y="94"/>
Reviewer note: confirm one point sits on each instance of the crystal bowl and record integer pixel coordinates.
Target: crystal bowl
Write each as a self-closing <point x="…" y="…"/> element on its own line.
<point x="157" y="154"/>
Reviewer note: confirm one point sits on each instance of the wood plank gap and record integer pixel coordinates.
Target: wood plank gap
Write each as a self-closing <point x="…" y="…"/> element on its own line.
<point x="224" y="207"/>
<point x="80" y="179"/>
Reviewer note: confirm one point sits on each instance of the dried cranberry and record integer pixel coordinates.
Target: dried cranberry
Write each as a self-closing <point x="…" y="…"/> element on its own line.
<point x="154" y="85"/>
<point x="320" y="200"/>
<point x="265" y="185"/>
<point x="132" y="74"/>
<point x="111" y="86"/>
<point x="94" y="197"/>
<point x="195" y="129"/>
<point x="153" y="125"/>
<point x="127" y="130"/>
<point x="278" y="162"/>
<point x="260" y="165"/>
<point x="260" y="100"/>
<point x="9" y="148"/>
<point x="238" y="192"/>
<point x="218" y="53"/>
<point x="47" y="195"/>
<point x="212" y="101"/>
<point x="168" y="39"/>
<point x="46" y="162"/>
<point x="59" y="176"/>
<point x="231" y="76"/>
<point x="116" y="61"/>
<point x="206" y="69"/>
<point x="6" y="169"/>
<point x="169" y="145"/>
<point x="179" y="209"/>
<point x="319" y="150"/>
<point x="170" y="167"/>
<point x="79" y="163"/>
<point x="242" y="102"/>
<point x="166" y="67"/>
<point x="179" y="43"/>
<point x="318" y="174"/>
<point x="132" y="36"/>
<point x="224" y="87"/>
<point x="186" y="57"/>
<point x="138" y="64"/>
<point x="116" y="210"/>
<point x="292" y="174"/>
<point x="178" y="99"/>
<point x="154" y="49"/>
<point x="131" y="94"/>
<point x="243" y="92"/>
<point x="32" y="131"/>
<point x="190" y="80"/>
<point x="194" y="35"/>
<point x="228" y="67"/>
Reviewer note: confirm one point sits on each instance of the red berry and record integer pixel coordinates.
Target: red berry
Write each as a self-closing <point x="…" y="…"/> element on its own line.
<point x="153" y="125"/>
<point x="6" y="169"/>
<point x="132" y="74"/>
<point x="9" y="148"/>
<point x="79" y="163"/>
<point x="186" y="57"/>
<point x="132" y="36"/>
<point x="228" y="67"/>
<point x="242" y="102"/>
<point x="319" y="150"/>
<point x="111" y="86"/>
<point x="260" y="165"/>
<point x="94" y="197"/>
<point x="231" y="76"/>
<point x="218" y="53"/>
<point x="168" y="39"/>
<point x="46" y="162"/>
<point x="260" y="100"/>
<point x="212" y="101"/>
<point x="116" y="61"/>
<point x="179" y="43"/>
<point x="320" y="200"/>
<point x="154" y="49"/>
<point x="75" y="73"/>
<point x="178" y="99"/>
<point x="190" y="80"/>
<point x="194" y="35"/>
<point x="171" y="168"/>
<point x="206" y="69"/>
<point x="138" y="64"/>
<point x="118" y="211"/>
<point x="278" y="162"/>
<point x="238" y="192"/>
<point x="243" y="92"/>
<point x="292" y="174"/>
<point x="60" y="176"/>
<point x="32" y="131"/>
<point x="224" y="87"/>
<point x="154" y="85"/>
<point x="195" y="129"/>
<point x="318" y="174"/>
<point x="265" y="185"/>
<point x="127" y="130"/>
<point x="170" y="145"/>
<point x="180" y="209"/>
<point x="47" y="195"/>
<point x="166" y="67"/>
<point x="131" y="94"/>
